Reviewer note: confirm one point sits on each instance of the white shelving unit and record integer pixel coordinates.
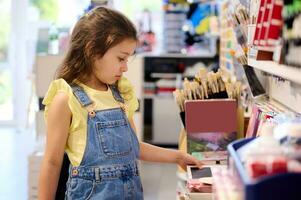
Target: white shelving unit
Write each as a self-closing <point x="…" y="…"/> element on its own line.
<point x="287" y="92"/>
<point x="284" y="71"/>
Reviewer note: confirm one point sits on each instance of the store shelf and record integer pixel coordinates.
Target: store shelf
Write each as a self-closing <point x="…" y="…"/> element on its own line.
<point x="166" y="75"/>
<point x="284" y="71"/>
<point x="180" y="55"/>
<point x="167" y="95"/>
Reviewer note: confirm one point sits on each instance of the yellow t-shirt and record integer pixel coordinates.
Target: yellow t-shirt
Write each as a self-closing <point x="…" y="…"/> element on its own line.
<point x="102" y="100"/>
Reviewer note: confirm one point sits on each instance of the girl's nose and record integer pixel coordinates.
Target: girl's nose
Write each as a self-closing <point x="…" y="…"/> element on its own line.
<point x="124" y="67"/>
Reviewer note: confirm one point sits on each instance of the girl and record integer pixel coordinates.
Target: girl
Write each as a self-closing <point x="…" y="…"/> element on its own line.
<point x="89" y="109"/>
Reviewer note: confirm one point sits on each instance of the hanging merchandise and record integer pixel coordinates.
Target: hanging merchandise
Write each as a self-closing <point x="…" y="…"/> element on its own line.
<point x="200" y="28"/>
<point x="146" y="35"/>
<point x="200" y="18"/>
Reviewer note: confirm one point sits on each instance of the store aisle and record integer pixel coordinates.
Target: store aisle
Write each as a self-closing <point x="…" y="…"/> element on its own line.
<point x="159" y="180"/>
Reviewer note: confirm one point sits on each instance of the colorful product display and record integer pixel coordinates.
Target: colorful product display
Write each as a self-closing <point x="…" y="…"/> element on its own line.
<point x="269" y="23"/>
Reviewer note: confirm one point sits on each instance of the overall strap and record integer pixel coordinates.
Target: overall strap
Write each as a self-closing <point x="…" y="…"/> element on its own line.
<point x="81" y="95"/>
<point x="116" y="93"/>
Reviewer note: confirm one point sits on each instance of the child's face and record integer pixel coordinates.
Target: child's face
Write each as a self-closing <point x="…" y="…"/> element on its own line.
<point x="111" y="66"/>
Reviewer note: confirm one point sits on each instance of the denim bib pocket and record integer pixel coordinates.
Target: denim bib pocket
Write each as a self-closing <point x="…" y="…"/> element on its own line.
<point x="114" y="137"/>
<point x="80" y="189"/>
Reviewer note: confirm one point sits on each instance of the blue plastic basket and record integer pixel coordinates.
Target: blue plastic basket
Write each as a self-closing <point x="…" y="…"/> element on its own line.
<point x="275" y="187"/>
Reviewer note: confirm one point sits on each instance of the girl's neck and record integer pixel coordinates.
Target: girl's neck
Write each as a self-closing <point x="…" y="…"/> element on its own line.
<point x="95" y="84"/>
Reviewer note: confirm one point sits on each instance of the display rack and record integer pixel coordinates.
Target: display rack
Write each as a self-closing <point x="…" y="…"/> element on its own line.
<point x="290" y="73"/>
<point x="227" y="42"/>
<point x="282" y="84"/>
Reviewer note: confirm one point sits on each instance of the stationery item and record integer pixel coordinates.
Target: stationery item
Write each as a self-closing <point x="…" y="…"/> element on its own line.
<point x="206" y="85"/>
<point x="195" y="173"/>
<point x="211" y="157"/>
<point x="217" y="115"/>
<point x="255" y="85"/>
<point x="266" y="166"/>
<point x="206" y="180"/>
<point x="274" y="23"/>
<point x="196" y="186"/>
<point x="199" y="179"/>
<point x="210" y="124"/>
<point x="269" y="23"/>
<point x="259" y="22"/>
<point x="264" y="23"/>
<point x="253" y="122"/>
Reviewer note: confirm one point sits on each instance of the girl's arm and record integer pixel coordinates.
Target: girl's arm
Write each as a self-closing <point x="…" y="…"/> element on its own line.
<point x="58" y="122"/>
<point x="153" y="153"/>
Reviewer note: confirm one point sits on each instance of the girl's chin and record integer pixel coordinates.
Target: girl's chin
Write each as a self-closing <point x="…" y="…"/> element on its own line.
<point x="112" y="82"/>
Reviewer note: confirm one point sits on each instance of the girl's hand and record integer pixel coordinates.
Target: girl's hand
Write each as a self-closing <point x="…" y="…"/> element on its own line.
<point x="185" y="159"/>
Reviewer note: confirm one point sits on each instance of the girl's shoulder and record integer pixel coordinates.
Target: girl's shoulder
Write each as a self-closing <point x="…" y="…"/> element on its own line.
<point x="60" y="87"/>
<point x="56" y="86"/>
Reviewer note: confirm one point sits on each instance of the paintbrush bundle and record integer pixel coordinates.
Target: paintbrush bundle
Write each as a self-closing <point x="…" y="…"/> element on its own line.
<point x="206" y="85"/>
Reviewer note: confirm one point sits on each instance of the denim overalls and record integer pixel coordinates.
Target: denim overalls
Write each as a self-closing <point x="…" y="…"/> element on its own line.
<point x="108" y="169"/>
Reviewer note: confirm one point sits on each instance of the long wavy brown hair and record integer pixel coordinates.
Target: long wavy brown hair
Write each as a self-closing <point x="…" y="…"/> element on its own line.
<point x="93" y="35"/>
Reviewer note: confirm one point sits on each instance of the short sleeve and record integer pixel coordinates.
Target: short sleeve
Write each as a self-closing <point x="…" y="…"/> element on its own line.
<point x="60" y="85"/>
<point x="127" y="91"/>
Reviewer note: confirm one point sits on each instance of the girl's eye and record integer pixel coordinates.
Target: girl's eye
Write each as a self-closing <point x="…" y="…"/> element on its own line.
<point x="122" y="59"/>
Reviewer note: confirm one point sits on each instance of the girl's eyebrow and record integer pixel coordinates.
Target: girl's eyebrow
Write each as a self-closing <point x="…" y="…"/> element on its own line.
<point x="126" y="53"/>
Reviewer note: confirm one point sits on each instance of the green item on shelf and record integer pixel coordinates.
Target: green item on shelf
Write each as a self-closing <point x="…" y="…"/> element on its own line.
<point x="197" y="155"/>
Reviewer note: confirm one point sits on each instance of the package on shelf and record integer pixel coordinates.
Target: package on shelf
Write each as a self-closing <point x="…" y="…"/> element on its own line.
<point x="264" y="156"/>
<point x="165" y="86"/>
<point x="269" y="23"/>
<point x="199" y="183"/>
<point x="276" y="186"/>
<point x="203" y="181"/>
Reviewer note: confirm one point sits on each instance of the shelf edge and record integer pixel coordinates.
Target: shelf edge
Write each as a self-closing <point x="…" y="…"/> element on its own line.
<point x="284" y="71"/>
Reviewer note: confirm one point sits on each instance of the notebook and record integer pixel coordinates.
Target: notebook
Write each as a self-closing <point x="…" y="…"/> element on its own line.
<point x="210" y="125"/>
